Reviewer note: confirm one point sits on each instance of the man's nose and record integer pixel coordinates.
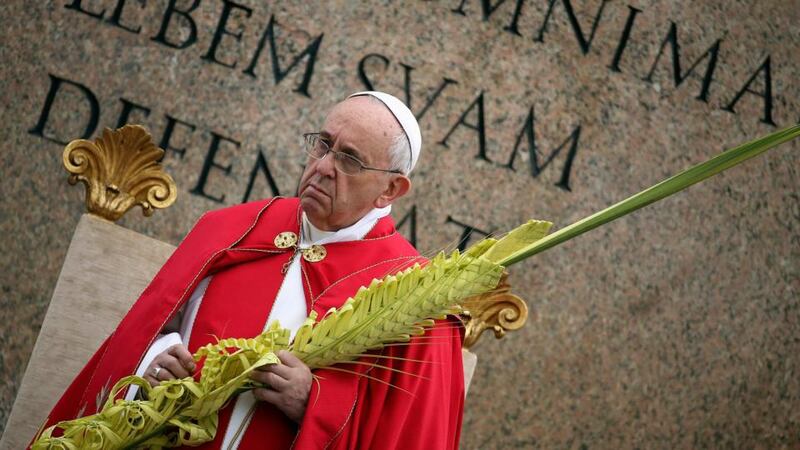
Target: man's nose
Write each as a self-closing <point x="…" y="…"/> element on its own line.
<point x="326" y="165"/>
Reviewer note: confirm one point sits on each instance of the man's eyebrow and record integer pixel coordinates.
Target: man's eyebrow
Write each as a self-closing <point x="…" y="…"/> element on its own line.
<point x="345" y="149"/>
<point x="354" y="152"/>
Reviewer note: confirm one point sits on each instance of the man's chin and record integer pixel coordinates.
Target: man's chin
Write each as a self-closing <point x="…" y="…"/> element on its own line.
<point x="311" y="205"/>
<point x="315" y="211"/>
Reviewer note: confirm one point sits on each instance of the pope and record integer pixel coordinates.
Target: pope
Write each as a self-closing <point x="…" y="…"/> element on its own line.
<point x="242" y="267"/>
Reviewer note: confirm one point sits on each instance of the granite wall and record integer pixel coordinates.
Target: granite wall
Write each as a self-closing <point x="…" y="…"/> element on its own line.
<point x="676" y="327"/>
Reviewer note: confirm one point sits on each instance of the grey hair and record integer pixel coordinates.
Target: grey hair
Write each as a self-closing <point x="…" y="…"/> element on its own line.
<point x="400" y="153"/>
<point x="399" y="149"/>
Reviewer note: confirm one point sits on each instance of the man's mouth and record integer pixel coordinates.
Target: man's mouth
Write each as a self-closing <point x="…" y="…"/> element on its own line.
<point x="314" y="191"/>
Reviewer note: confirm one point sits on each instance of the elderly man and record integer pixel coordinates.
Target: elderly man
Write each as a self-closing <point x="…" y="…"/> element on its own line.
<point x="242" y="267"/>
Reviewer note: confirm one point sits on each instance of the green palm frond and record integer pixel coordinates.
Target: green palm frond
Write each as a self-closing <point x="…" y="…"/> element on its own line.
<point x="672" y="185"/>
<point x="394" y="309"/>
<point x="388" y="311"/>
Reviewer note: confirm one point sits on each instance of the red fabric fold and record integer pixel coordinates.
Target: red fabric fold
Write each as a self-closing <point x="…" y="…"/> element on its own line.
<point x="345" y="410"/>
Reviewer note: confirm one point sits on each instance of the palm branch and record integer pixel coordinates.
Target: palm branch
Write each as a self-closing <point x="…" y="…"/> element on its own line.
<point x="388" y="311"/>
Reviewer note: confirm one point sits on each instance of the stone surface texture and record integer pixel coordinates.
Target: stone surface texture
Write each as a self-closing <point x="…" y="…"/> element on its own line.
<point x="675" y="327"/>
<point x="105" y="269"/>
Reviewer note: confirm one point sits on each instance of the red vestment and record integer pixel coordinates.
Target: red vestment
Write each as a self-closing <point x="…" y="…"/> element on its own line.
<point x="385" y="408"/>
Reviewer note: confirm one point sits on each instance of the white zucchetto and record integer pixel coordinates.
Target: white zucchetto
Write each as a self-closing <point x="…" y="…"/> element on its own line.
<point x="406" y="119"/>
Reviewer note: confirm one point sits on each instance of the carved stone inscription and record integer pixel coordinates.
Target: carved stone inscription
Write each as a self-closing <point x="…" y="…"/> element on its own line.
<point x="275" y="55"/>
<point x="672" y="321"/>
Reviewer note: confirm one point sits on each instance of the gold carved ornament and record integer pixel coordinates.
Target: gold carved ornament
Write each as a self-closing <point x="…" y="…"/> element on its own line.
<point x="498" y="310"/>
<point x="120" y="169"/>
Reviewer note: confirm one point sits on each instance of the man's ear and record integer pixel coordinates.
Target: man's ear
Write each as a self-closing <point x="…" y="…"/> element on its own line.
<point x="399" y="186"/>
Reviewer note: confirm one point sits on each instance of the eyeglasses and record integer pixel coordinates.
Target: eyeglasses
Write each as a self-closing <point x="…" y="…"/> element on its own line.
<point x="317" y="148"/>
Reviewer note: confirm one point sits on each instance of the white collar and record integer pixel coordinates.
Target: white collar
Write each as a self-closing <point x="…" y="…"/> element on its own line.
<point x="309" y="234"/>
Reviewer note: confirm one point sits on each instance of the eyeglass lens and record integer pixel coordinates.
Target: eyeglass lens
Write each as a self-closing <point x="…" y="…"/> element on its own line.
<point x="318" y="148"/>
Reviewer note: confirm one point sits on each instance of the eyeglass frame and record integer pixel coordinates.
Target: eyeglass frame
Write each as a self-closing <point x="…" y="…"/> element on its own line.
<point x="361" y="164"/>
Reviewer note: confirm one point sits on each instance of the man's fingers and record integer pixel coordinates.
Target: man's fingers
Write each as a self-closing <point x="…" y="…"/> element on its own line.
<point x="181" y="353"/>
<point x="270" y="379"/>
<point x="176" y="369"/>
<point x="175" y="362"/>
<point x="281" y="370"/>
<point x="259" y="376"/>
<point x="154" y="376"/>
<point x="165" y="374"/>
<point x="172" y="366"/>
<point x="289" y="359"/>
<point x="288" y="385"/>
<point x="150" y="379"/>
<point x="268" y="395"/>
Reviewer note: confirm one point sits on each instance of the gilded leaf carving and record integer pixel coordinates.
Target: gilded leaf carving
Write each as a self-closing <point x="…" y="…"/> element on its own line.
<point x="120" y="169"/>
<point x="498" y="310"/>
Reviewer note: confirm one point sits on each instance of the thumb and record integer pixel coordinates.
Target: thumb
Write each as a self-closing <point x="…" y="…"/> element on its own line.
<point x="182" y="353"/>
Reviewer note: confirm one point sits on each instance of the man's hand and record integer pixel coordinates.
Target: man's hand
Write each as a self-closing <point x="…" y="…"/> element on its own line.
<point x="287" y="385"/>
<point x="174" y="362"/>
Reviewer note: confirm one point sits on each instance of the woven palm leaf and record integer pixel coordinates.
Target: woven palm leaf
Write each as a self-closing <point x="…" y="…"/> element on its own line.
<point x="184" y="412"/>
